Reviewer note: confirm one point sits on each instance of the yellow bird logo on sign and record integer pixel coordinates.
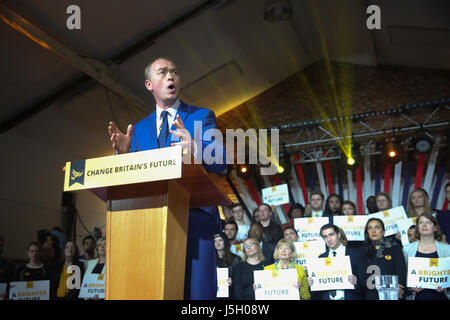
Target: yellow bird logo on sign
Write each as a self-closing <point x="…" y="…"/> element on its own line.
<point x="350" y="219"/>
<point x="328" y="262"/>
<point x="434" y="262"/>
<point x="386" y="214"/>
<point x="305" y="245"/>
<point x="100" y="277"/>
<point x="76" y="174"/>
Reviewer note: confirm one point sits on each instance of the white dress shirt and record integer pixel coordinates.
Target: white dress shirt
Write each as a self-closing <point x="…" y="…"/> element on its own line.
<point x="340" y="252"/>
<point x="170" y="117"/>
<point x="317" y="213"/>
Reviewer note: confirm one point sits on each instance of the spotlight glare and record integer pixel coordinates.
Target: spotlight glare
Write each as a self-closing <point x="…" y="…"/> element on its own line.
<point x="243" y="169"/>
<point x="351" y="161"/>
<point x="280" y="169"/>
<point x="392" y="153"/>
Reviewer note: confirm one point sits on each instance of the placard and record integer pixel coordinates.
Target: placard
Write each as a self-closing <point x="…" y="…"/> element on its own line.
<point x="403" y="226"/>
<point x="308" y="249"/>
<point x="330" y="273"/>
<point x="134" y="167"/>
<point x="428" y="273"/>
<point x="222" y="284"/>
<point x="309" y="228"/>
<point x="276" y="195"/>
<point x="390" y="218"/>
<point x="93" y="285"/>
<point x="29" y="290"/>
<point x="276" y="284"/>
<point x="3" y="291"/>
<point x="353" y="226"/>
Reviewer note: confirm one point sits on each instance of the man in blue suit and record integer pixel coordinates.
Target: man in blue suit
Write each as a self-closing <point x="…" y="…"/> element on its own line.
<point x="185" y="122"/>
<point x="335" y="248"/>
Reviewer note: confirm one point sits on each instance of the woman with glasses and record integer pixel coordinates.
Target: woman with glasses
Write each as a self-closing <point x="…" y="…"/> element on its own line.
<point x="429" y="245"/>
<point x="243" y="279"/>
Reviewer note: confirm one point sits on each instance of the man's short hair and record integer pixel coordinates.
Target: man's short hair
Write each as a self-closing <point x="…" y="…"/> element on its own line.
<point x="88" y="237"/>
<point x="290" y="227"/>
<point x="329" y="226"/>
<point x="231" y="222"/>
<point x="148" y="68"/>
<point x="317" y="192"/>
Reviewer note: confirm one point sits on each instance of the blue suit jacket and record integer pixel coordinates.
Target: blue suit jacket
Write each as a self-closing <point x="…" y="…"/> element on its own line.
<point x="144" y="136"/>
<point x="348" y="294"/>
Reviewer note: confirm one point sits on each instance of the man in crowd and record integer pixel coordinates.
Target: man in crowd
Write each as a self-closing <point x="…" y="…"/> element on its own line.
<point x="335" y="248"/>
<point x="272" y="231"/>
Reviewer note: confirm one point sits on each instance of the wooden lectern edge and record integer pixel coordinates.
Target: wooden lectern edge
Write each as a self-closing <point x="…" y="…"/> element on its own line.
<point x="189" y="171"/>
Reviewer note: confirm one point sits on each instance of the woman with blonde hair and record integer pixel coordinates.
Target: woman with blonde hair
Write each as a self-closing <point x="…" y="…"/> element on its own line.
<point x="242" y="277"/>
<point x="285" y="256"/>
<point x="418" y="203"/>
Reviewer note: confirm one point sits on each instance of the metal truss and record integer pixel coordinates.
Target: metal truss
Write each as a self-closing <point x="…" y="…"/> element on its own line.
<point x="315" y="142"/>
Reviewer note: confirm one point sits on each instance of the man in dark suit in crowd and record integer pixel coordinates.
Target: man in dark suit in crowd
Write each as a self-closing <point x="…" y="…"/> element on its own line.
<point x="335" y="248"/>
<point x="163" y="81"/>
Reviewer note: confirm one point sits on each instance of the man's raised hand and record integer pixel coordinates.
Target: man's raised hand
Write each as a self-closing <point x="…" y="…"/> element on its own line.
<point x="120" y="142"/>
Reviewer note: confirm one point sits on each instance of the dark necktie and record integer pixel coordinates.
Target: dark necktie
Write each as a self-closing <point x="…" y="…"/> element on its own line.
<point x="163" y="130"/>
<point x="333" y="292"/>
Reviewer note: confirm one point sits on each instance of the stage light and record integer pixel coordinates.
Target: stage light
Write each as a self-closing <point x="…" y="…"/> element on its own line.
<point x="246" y="171"/>
<point x="351" y="160"/>
<point x="391" y="151"/>
<point x="280" y="169"/>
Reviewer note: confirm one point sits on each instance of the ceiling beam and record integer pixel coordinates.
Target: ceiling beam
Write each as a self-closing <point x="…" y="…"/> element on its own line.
<point x="95" y="71"/>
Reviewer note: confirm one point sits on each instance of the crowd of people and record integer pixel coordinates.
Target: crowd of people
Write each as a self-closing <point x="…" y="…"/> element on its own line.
<point x="263" y="244"/>
<point x="268" y="246"/>
<point x="51" y="257"/>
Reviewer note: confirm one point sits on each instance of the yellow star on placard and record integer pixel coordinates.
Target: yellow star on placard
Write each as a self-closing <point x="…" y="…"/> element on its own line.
<point x="100" y="277"/>
<point x="434" y="262"/>
<point x="305" y="245"/>
<point x="275" y="274"/>
<point x="274" y="188"/>
<point x="29" y="284"/>
<point x="328" y="262"/>
<point x="350" y="219"/>
<point x="386" y="213"/>
<point x="310" y="220"/>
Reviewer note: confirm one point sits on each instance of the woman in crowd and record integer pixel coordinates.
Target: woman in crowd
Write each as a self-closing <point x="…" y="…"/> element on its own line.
<point x="224" y="257"/>
<point x="60" y="273"/>
<point x="98" y="265"/>
<point x="35" y="269"/>
<point x="375" y="251"/>
<point x="348" y="208"/>
<point x="418" y="203"/>
<point x="333" y="205"/>
<point x="243" y="273"/>
<point x="384" y="202"/>
<point x="285" y="256"/>
<point x="296" y="211"/>
<point x="429" y="245"/>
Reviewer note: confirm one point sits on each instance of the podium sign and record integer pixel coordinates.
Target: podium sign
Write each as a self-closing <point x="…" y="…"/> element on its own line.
<point x="135" y="167"/>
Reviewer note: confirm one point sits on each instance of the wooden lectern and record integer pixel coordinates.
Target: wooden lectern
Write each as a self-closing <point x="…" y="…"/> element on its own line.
<point x="146" y="231"/>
